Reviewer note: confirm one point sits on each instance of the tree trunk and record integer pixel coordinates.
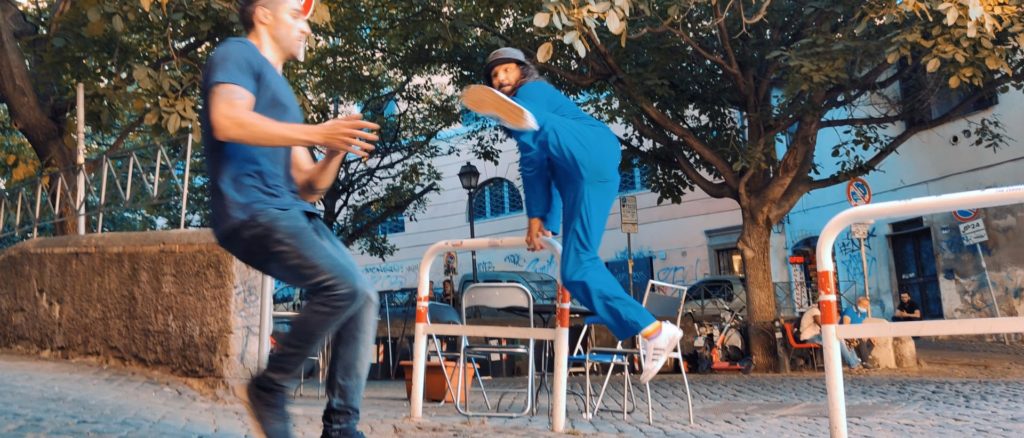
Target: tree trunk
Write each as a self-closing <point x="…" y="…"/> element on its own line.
<point x="754" y="244"/>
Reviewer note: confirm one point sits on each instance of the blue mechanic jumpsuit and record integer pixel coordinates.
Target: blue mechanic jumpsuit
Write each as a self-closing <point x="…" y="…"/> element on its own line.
<point x="577" y="157"/>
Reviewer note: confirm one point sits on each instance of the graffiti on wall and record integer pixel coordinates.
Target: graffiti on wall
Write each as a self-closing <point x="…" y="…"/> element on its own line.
<point x="679" y="273"/>
<point x="544" y="264"/>
<point x="962" y="269"/>
<point x="390" y="276"/>
<point x="851" y="266"/>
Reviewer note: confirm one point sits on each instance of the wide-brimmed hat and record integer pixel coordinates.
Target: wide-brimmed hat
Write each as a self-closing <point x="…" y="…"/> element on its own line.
<point x="503" y="55"/>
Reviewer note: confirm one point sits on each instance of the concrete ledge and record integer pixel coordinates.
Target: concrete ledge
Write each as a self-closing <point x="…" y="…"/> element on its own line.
<point x="168" y="300"/>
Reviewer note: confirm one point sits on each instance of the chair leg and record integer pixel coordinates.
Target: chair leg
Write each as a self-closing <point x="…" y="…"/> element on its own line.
<point x="600" y="397"/>
<point x="650" y="409"/>
<point x="589" y="390"/>
<point x="625" y="391"/>
<point x="686" y="385"/>
<point x="480" y="381"/>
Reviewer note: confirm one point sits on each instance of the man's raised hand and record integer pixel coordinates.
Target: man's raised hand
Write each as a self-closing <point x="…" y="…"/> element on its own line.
<point x="349" y="134"/>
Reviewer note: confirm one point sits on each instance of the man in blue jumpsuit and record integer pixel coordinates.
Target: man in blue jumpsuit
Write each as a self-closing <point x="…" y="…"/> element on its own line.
<point x="569" y="163"/>
<point x="262" y="180"/>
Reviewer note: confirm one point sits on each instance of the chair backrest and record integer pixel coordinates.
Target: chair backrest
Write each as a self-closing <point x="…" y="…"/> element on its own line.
<point x="440" y="313"/>
<point x="507" y="296"/>
<point x="665" y="300"/>
<point x="789" y="334"/>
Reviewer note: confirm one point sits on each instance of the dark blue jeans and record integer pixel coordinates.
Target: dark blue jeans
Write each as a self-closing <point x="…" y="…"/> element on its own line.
<point x="297" y="248"/>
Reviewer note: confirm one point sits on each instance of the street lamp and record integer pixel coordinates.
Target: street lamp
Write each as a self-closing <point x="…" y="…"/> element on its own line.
<point x="469" y="177"/>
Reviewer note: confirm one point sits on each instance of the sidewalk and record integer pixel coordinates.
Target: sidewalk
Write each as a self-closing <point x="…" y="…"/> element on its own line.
<point x="40" y="397"/>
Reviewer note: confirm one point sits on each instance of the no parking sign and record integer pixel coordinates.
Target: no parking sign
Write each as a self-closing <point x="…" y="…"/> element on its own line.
<point x="964" y="216"/>
<point x="858" y="192"/>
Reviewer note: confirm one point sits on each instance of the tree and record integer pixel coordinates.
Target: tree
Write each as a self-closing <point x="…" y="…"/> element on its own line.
<point x="707" y="88"/>
<point x="730" y="96"/>
<point x="141" y="62"/>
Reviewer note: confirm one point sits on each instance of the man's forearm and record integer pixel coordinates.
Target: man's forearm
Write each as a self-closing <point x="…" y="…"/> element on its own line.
<point x="320" y="177"/>
<point x="251" y="128"/>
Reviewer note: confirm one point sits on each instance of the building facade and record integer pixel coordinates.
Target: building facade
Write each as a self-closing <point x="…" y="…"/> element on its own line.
<point x="683" y="243"/>
<point x="926" y="255"/>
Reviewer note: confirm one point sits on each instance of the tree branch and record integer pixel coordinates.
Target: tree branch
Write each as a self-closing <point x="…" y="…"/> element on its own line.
<point x="950" y="115"/>
<point x="354" y="233"/>
<point x="713" y="189"/>
<point x="697" y="47"/>
<point x="622" y="83"/>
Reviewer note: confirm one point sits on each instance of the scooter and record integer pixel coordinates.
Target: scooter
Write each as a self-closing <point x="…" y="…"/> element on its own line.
<point x="721" y="347"/>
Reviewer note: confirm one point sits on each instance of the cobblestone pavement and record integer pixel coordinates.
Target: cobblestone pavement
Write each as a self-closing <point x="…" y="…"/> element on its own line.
<point x="40" y="397"/>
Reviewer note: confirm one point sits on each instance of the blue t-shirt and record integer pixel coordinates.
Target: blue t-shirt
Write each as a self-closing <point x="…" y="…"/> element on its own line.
<point x="248" y="179"/>
<point x="856" y="315"/>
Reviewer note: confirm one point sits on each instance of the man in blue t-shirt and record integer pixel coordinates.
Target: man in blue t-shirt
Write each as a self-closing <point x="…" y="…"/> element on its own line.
<point x="569" y="162"/>
<point x="262" y="182"/>
<point x="856" y="315"/>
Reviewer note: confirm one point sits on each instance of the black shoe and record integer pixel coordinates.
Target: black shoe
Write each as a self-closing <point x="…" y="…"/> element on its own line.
<point x="267" y="407"/>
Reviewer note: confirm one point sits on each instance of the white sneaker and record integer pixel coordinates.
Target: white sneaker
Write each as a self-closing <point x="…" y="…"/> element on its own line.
<point x="657" y="350"/>
<point x="489" y="102"/>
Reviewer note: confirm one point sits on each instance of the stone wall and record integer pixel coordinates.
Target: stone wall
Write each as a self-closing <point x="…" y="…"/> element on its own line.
<point x="168" y="300"/>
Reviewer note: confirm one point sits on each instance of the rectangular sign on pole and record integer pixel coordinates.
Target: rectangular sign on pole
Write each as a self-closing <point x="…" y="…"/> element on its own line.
<point x="973" y="232"/>
<point x="627" y="212"/>
<point x="860" y="231"/>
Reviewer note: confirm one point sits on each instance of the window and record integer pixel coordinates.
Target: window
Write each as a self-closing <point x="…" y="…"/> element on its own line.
<point x="723" y="252"/>
<point x="392" y="225"/>
<point x="631" y="178"/>
<point x="730" y="261"/>
<point x="496" y="197"/>
<point x="930" y="97"/>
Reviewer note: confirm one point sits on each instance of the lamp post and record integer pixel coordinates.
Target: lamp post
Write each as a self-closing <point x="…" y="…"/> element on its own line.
<point x="469" y="176"/>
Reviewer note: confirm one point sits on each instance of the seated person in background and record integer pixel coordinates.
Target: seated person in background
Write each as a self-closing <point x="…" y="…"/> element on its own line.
<point x="810" y="332"/>
<point x="856" y="315"/>
<point x="448" y="292"/>
<point x="907" y="310"/>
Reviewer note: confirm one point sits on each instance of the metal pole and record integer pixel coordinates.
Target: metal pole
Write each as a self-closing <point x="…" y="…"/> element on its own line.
<point x="39" y="200"/>
<point x="156" y="175"/>
<point x="472" y="229"/>
<point x="266" y="320"/>
<point x="80" y="161"/>
<point x="629" y="262"/>
<point x="103" y="195"/>
<point x="864" y="264"/>
<point x="991" y="291"/>
<point x="3" y="209"/>
<point x="561" y="374"/>
<point x="17" y="212"/>
<point x="128" y="186"/>
<point x="184" y="189"/>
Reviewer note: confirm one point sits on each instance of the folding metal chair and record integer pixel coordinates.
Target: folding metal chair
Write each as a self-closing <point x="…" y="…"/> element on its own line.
<point x="440" y="313"/>
<point x="501" y="296"/>
<point x="665" y="301"/>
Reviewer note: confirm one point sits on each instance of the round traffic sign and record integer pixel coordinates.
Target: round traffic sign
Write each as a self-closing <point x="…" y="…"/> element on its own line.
<point x="858" y="192"/>
<point x="966" y="215"/>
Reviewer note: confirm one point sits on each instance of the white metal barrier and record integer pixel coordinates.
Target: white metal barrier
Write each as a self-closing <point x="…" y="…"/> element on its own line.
<point x="833" y="333"/>
<point x="559" y="334"/>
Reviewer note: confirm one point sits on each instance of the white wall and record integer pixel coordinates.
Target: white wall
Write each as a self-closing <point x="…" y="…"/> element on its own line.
<point x="926" y="165"/>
